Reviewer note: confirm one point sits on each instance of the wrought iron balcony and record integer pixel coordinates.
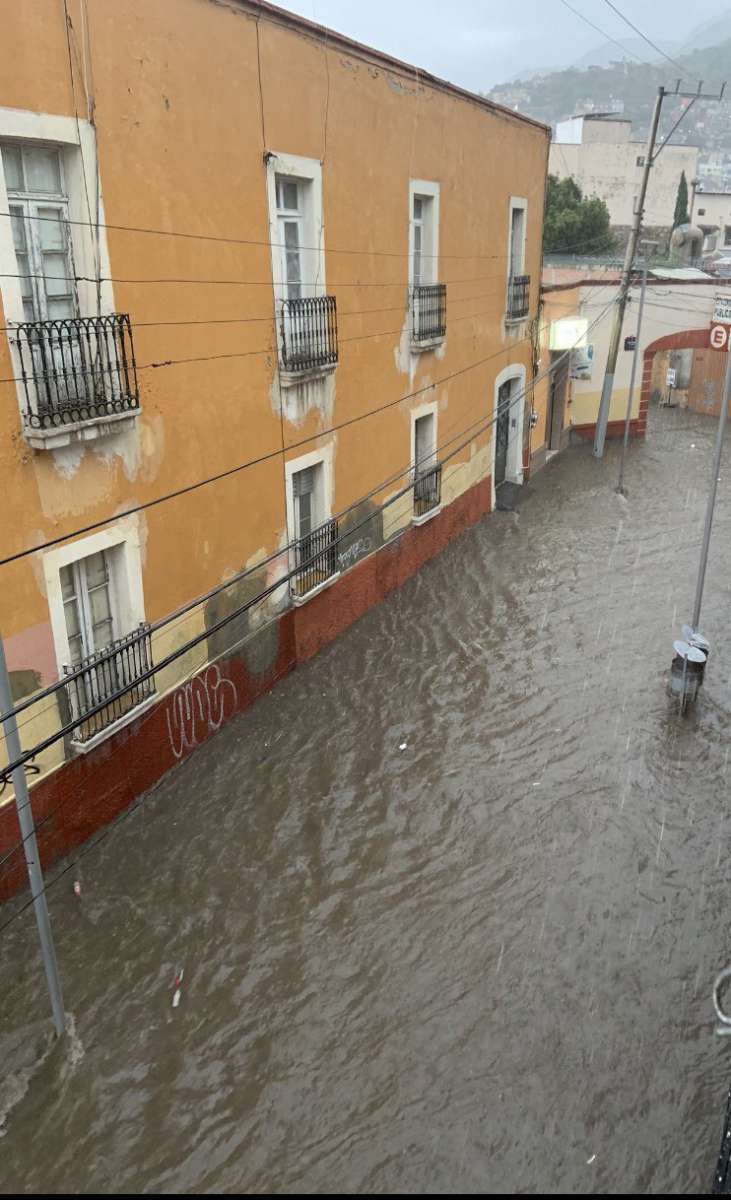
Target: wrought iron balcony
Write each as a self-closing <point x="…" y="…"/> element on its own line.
<point x="518" y="297"/>
<point x="76" y="370"/>
<point x="103" y="674"/>
<point x="309" y="333"/>
<point x="427" y="490"/>
<point x="317" y="558"/>
<point x="429" y="312"/>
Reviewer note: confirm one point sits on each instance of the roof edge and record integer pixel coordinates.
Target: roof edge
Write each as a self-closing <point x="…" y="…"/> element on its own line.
<point x="280" y="16"/>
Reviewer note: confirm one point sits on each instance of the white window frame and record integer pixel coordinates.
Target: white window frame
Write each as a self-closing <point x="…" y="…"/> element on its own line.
<point x="428" y="190"/>
<point x="126" y="592"/>
<point x="76" y="143"/>
<point x="516" y="202"/>
<point x="29" y="203"/>
<point x="514" y="464"/>
<point x="425" y="410"/>
<point x="307" y="171"/>
<point x="323" y="457"/>
<point x="77" y="146"/>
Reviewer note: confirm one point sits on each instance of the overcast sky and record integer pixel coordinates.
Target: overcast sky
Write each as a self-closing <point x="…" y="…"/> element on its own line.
<point x="478" y="43"/>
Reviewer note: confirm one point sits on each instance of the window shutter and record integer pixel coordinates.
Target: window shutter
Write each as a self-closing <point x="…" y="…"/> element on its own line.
<point x="303" y="482"/>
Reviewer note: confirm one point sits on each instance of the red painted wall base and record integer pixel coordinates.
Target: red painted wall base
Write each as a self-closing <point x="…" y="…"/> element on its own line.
<point x="91" y="789"/>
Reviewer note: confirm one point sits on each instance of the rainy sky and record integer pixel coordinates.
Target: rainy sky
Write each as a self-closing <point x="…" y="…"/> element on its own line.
<point x="479" y="43"/>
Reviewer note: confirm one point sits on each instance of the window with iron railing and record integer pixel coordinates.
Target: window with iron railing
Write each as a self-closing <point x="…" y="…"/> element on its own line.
<point x="72" y="369"/>
<point x="76" y="369"/>
<point x="316" y="558"/>
<point x="427" y="490"/>
<point x="518" y="296"/>
<point x="429" y="312"/>
<point x="101" y="675"/>
<point x="309" y="333"/>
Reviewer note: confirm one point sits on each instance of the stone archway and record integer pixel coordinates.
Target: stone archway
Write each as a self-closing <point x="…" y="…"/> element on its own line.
<point x="685" y="339"/>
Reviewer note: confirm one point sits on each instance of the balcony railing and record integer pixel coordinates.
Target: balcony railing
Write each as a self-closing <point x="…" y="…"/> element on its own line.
<point x="75" y="370"/>
<point x="427" y="490"/>
<point x="309" y="333"/>
<point x="429" y="312"/>
<point x="317" y="558"/>
<point x="103" y="674"/>
<point x="518" y="296"/>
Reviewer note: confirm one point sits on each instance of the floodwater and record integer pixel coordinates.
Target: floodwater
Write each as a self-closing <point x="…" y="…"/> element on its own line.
<point x="478" y="963"/>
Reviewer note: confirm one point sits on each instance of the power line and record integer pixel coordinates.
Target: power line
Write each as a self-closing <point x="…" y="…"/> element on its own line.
<point x="644" y="37"/>
<point x="254" y="461"/>
<point x="601" y="32"/>
<point x="185" y="609"/>
<point x="484" y="425"/>
<point x="358" y="337"/>
<point x="208" y="237"/>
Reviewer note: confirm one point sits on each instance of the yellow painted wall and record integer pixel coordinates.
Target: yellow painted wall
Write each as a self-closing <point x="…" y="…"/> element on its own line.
<point x="189" y="95"/>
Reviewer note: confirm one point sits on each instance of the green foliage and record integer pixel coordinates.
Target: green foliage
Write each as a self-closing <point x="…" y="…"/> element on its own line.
<point x="574" y="224"/>
<point x="682" y="216"/>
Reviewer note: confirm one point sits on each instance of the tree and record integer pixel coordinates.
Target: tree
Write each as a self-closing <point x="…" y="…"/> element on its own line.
<point x="682" y="216"/>
<point x="573" y="224"/>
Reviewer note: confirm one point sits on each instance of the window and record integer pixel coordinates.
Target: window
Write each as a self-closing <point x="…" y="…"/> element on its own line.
<point x="290" y="223"/>
<point x="640" y="160"/>
<point x="306" y="316"/>
<point x="517" y="240"/>
<point x="75" y="372"/>
<point x="427" y="471"/>
<point x="423" y="233"/>
<point x="307" y="492"/>
<point x="39" y="218"/>
<point x="103" y="645"/>
<point x="518" y="298"/>
<point x="428" y="299"/>
<point x="701" y="212"/>
<point x="727" y="235"/>
<point x="87" y="603"/>
<point x="315" y="534"/>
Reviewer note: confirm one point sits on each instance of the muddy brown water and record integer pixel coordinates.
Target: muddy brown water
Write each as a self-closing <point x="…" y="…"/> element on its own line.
<point x="482" y="963"/>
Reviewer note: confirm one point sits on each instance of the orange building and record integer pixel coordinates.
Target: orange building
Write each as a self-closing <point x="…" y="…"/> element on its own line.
<point x="270" y="328"/>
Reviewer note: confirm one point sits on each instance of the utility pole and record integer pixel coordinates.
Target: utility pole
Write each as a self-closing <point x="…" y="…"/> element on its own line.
<point x="620" y="482"/>
<point x="30" y="847"/>
<point x="650" y="156"/>
<point x="690" y="654"/>
<point x="711" y="504"/>
<point x="611" y="367"/>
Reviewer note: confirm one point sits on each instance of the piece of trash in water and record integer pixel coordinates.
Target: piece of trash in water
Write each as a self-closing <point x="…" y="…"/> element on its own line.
<point x="177" y="985"/>
<point x="537" y="783"/>
<point x="692" y="445"/>
<point x="589" y="1161"/>
<point x="77" y="888"/>
<point x="402" y="745"/>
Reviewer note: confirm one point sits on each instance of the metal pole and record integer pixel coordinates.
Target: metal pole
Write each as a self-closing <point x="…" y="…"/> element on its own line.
<point x="608" y="385"/>
<point x="635" y="356"/>
<point x="722" y="417"/>
<point x="30" y="846"/>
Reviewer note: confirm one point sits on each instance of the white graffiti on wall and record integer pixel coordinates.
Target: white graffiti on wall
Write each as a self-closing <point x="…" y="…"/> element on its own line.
<point x="199" y="708"/>
<point x="355" y="551"/>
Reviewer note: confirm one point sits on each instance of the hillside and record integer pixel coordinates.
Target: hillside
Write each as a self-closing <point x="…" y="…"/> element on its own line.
<point x="631" y="88"/>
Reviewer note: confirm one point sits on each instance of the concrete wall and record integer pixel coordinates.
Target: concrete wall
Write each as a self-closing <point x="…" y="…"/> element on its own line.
<point x="611" y="171"/>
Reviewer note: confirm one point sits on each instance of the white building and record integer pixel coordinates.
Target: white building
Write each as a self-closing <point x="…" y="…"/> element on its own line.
<point x="714" y="209"/>
<point x="596" y="149"/>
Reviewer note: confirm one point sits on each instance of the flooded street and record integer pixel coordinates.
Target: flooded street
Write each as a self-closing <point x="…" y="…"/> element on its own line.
<point x="480" y="963"/>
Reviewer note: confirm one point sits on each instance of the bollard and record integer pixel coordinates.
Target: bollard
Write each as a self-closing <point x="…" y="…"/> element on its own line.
<point x="686" y="671"/>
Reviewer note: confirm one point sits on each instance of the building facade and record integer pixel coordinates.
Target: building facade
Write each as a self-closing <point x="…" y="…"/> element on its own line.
<point x="579" y="305"/>
<point x="598" y="152"/>
<point x="270" y="330"/>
